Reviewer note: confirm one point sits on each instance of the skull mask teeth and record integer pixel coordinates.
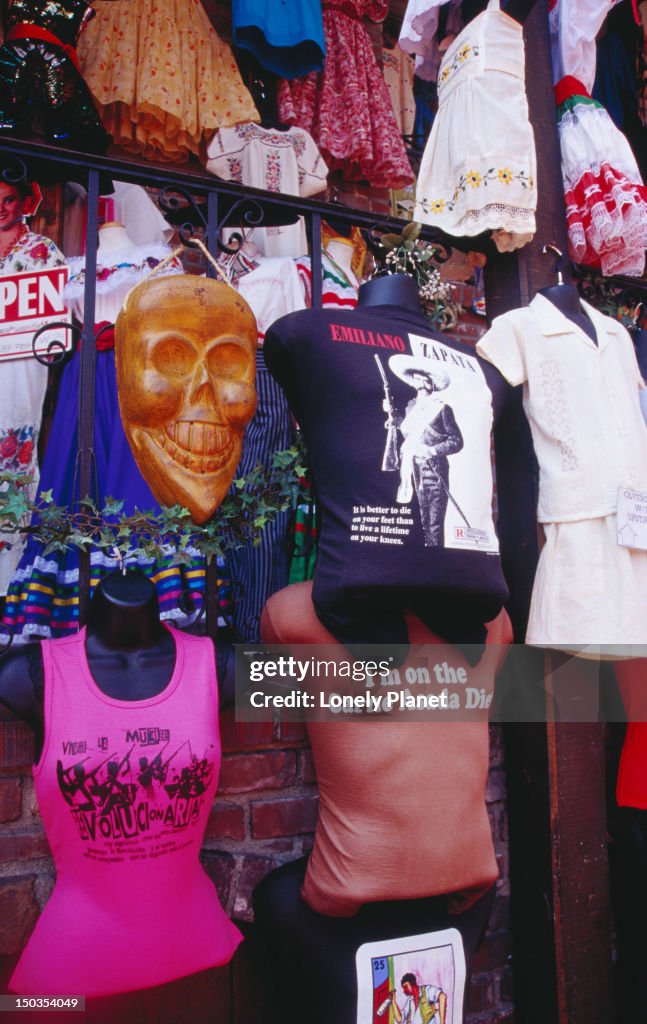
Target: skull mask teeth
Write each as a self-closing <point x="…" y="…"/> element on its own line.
<point x="200" y="447"/>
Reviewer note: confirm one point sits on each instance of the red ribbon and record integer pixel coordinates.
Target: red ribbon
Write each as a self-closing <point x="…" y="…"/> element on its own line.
<point x="25" y="31"/>
<point x="104" y="339"/>
<point x="567" y="87"/>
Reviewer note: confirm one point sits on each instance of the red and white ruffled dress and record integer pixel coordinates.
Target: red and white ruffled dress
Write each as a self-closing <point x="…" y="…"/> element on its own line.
<point x="606" y="201"/>
<point x="346" y="107"/>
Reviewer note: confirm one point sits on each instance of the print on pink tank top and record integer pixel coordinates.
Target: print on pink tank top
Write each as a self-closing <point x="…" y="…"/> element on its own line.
<point x="125" y="789"/>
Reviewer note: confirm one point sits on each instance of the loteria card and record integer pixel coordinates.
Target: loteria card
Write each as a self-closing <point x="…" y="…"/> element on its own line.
<point x="417" y="979"/>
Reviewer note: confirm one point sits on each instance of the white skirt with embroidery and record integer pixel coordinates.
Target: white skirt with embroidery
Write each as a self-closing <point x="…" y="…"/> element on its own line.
<point x="478" y="171"/>
<point x="590" y="594"/>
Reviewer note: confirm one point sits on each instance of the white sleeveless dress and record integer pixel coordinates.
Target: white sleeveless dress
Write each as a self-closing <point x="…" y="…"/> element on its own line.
<point x="478" y="171"/>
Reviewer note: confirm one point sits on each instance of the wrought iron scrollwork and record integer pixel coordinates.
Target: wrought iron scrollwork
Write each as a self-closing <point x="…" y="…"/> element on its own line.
<point x="175" y="198"/>
<point x="252" y="215"/>
<point x="106" y="329"/>
<point x="15" y="171"/>
<point x="55" y="350"/>
<point x="178" y="202"/>
<point x="192" y="603"/>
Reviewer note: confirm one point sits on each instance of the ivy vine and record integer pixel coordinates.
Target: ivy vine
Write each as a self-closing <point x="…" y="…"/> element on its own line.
<point x="253" y="501"/>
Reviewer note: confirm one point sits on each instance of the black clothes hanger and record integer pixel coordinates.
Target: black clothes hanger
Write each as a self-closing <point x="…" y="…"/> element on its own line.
<point x="567" y="298"/>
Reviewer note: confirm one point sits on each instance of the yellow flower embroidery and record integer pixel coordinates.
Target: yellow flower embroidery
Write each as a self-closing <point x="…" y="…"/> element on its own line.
<point x="463" y="53"/>
<point x="444" y="75"/>
<point x="505" y="175"/>
<point x="437" y="206"/>
<point x="530" y="181"/>
<point x="473" y="178"/>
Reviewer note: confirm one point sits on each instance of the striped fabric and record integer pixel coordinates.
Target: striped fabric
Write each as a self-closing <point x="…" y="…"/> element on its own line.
<point x="257" y="572"/>
<point x="43" y="600"/>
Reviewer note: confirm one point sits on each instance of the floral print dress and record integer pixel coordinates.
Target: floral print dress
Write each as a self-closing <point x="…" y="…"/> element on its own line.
<point x="478" y="171"/>
<point x="346" y="107"/>
<point x="162" y="77"/>
<point x="21" y="395"/>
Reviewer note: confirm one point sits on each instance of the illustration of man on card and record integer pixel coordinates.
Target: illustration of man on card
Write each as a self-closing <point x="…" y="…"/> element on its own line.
<point x="415" y="979"/>
<point x="425" y="1004"/>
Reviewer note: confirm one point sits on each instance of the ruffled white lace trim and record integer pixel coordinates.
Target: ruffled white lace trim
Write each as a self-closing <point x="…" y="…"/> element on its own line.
<point x="619" y="236"/>
<point x="588" y="139"/>
<point x="495" y="217"/>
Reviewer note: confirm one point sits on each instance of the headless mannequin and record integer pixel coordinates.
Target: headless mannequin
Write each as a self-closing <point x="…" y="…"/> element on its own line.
<point x="131" y="655"/>
<point x="340" y="251"/>
<point x="567" y="300"/>
<point x="263" y="90"/>
<point x="314" y="953"/>
<point x="113" y="238"/>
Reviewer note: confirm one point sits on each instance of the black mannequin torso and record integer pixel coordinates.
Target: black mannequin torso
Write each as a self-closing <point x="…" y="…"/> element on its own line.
<point x="130" y="654"/>
<point x="567" y="300"/>
<point x="390" y="290"/>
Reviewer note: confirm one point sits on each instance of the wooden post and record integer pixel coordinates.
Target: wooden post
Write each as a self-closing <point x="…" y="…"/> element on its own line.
<point x="557" y="804"/>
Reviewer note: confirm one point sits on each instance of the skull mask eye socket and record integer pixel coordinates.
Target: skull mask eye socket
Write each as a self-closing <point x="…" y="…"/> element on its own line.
<point x="228" y="361"/>
<point x="174" y="358"/>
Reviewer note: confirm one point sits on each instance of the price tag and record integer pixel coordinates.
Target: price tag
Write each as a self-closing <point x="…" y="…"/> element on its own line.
<point x="632" y="518"/>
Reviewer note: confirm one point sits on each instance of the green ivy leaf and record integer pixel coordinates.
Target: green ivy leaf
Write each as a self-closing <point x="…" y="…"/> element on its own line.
<point x="412" y="231"/>
<point x="112" y="507"/>
<point x="391" y="241"/>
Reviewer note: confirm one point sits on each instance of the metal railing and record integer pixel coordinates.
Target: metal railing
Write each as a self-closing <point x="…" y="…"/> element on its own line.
<point x="200" y="206"/>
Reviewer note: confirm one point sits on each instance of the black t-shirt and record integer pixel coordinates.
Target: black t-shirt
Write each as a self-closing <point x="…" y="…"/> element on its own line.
<point x="398" y="421"/>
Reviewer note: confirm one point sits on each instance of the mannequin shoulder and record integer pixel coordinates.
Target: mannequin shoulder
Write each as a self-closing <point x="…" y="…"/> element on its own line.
<point x="289" y="617"/>
<point x="300" y="325"/>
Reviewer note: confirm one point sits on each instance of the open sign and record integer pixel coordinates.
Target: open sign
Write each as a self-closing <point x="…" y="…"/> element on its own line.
<point x="28" y="302"/>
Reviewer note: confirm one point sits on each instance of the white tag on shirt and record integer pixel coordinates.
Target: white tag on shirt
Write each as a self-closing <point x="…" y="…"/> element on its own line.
<point x="632" y="518"/>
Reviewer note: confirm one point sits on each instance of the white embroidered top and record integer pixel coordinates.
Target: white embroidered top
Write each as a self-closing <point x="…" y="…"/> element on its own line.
<point x="581" y="400"/>
<point x="285" y="162"/>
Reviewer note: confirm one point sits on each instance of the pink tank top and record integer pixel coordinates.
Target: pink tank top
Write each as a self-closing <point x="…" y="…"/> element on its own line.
<point x="125" y="789"/>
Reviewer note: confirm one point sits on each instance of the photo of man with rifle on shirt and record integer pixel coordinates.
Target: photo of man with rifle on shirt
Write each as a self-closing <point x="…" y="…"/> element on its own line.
<point x="430" y="435"/>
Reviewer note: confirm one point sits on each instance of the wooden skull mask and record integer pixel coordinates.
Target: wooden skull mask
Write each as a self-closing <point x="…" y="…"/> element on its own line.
<point x="185" y="350"/>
